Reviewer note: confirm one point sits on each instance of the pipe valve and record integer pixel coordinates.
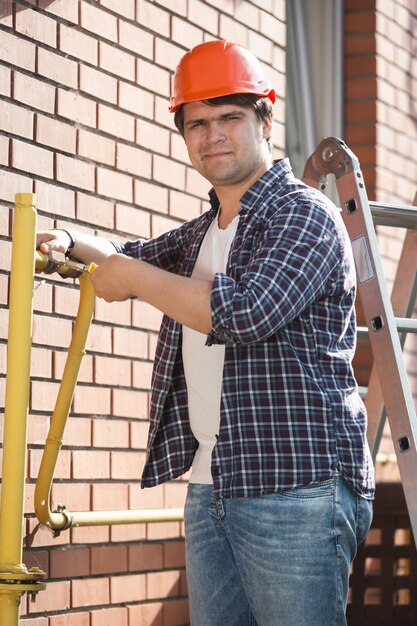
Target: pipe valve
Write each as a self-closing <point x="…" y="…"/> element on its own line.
<point x="59" y="263"/>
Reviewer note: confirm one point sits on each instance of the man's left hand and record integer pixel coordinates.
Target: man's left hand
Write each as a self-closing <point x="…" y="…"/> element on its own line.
<point x="112" y="279"/>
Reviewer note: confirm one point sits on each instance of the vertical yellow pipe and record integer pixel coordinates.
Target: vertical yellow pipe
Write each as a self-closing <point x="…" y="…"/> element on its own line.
<point x="9" y="608"/>
<point x="17" y="399"/>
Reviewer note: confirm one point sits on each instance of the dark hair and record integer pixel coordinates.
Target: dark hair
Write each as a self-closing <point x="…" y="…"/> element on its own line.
<point x="260" y="104"/>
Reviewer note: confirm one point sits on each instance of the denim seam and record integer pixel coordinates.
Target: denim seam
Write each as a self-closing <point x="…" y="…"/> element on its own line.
<point x="318" y="489"/>
<point x="338" y="587"/>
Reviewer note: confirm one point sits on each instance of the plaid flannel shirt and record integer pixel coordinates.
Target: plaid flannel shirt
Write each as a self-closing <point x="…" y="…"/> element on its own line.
<point x="291" y="413"/>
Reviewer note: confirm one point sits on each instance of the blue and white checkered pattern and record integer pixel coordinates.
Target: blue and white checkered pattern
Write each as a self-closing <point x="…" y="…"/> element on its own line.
<point x="290" y="408"/>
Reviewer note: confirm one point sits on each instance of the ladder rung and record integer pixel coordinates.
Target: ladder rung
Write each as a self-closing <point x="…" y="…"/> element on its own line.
<point x="388" y="215"/>
<point x="384" y="458"/>
<point x="403" y="324"/>
<point x="363" y="390"/>
<point x="406" y="324"/>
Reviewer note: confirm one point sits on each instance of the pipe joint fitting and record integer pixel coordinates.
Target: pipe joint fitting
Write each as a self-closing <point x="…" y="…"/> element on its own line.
<point x="68" y="517"/>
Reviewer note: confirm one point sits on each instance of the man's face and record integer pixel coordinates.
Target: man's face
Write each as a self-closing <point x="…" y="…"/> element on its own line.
<point x="226" y="143"/>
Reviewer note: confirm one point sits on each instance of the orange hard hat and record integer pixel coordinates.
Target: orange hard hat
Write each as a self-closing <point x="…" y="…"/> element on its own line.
<point x="218" y="68"/>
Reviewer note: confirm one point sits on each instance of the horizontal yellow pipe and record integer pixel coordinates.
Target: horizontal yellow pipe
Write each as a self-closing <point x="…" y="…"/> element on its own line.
<point x="60" y="520"/>
<point x="63" y="519"/>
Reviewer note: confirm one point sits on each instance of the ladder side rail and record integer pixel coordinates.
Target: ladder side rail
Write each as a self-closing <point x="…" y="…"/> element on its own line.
<point x="383" y="336"/>
<point x="403" y="298"/>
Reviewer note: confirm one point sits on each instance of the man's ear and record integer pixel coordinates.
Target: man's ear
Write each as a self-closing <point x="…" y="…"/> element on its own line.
<point x="267" y="126"/>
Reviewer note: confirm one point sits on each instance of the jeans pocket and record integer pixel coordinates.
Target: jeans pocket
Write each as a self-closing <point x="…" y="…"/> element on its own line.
<point x="318" y="489"/>
<point x="364" y="514"/>
<point x="190" y="487"/>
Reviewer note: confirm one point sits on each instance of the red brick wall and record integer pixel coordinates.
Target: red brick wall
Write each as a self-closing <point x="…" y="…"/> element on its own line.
<point x="360" y="92"/>
<point x="84" y="119"/>
<point x="360" y="102"/>
<point x="381" y="128"/>
<point x="396" y="167"/>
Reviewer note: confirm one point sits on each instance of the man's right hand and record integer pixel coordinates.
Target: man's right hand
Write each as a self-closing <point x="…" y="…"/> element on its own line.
<point x="87" y="248"/>
<point x="52" y="240"/>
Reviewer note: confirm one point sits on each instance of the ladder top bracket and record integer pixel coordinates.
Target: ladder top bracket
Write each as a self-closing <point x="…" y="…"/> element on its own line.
<point x="332" y="156"/>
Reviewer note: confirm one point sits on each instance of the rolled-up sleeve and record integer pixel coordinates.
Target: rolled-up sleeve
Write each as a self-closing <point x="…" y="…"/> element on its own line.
<point x="298" y="259"/>
<point x="163" y="251"/>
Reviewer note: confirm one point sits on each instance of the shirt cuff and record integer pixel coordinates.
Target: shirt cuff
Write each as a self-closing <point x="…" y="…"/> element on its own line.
<point x="118" y="246"/>
<point x="221" y="301"/>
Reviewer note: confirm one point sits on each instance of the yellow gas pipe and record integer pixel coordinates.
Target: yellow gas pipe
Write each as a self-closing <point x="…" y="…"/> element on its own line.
<point x="63" y="402"/>
<point x="63" y="519"/>
<point x="15" y="579"/>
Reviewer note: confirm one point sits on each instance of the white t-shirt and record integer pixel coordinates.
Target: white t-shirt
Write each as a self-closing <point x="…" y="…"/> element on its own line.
<point x="203" y="365"/>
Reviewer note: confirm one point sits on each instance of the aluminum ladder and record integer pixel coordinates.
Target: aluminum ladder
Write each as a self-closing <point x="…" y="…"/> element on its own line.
<point x="389" y="391"/>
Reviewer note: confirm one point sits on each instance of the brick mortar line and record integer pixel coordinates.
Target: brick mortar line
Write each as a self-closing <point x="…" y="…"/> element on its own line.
<point x="133" y="22"/>
<point x="104" y="544"/>
<point x="80" y="222"/>
<point x="81" y="158"/>
<point x="101" y="418"/>
<point x="92" y="385"/>
<point x="99" y="481"/>
<point x="99" y="607"/>
<point x="119" y="575"/>
<point x="87" y="96"/>
<point x="64" y="55"/>
<point x="117" y="45"/>
<point x="101" y="323"/>
<point x="118" y="201"/>
<point x="61" y="20"/>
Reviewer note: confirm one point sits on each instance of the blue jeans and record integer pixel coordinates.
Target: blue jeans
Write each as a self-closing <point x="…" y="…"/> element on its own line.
<point x="276" y="560"/>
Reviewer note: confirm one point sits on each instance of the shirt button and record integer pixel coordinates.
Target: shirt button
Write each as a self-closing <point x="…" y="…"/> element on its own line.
<point x="217" y="470"/>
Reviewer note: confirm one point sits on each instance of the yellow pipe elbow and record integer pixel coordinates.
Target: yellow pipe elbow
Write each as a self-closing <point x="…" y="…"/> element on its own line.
<point x="63" y="519"/>
<point x="62" y="407"/>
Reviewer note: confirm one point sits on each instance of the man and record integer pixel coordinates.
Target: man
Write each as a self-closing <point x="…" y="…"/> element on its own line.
<point x="253" y="385"/>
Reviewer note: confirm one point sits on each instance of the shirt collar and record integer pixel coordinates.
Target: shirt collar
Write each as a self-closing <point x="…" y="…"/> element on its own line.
<point x="276" y="176"/>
